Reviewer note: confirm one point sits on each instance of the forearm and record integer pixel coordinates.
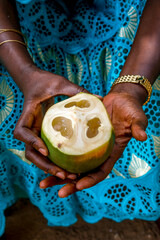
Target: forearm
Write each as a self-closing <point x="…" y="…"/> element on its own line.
<point x="144" y="57"/>
<point x="13" y="56"/>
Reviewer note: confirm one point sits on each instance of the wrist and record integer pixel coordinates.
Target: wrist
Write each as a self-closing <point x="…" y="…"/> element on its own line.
<point x="18" y="63"/>
<point x="27" y="78"/>
<point x="135" y="90"/>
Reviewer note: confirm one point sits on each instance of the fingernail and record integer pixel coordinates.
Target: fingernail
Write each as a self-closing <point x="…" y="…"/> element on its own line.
<point x="60" y="175"/>
<point x="72" y="176"/>
<point x="41" y="185"/>
<point x="43" y="151"/>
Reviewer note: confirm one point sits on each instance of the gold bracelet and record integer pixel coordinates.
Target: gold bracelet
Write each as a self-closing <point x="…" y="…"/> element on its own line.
<point x="136" y="79"/>
<point x="11" y="40"/>
<point x="11" y="30"/>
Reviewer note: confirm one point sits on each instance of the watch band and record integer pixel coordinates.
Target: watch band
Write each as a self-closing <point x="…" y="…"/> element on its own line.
<point x="136" y="79"/>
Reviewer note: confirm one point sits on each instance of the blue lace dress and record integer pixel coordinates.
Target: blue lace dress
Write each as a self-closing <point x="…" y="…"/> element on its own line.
<point x="87" y="42"/>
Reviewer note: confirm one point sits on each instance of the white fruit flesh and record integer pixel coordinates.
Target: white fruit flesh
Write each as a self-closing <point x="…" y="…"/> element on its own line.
<point x="77" y="125"/>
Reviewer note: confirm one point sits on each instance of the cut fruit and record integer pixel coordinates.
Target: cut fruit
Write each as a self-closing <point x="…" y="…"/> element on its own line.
<point x="78" y="133"/>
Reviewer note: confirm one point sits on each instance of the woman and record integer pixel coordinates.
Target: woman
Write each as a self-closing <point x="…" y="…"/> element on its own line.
<point x="87" y="43"/>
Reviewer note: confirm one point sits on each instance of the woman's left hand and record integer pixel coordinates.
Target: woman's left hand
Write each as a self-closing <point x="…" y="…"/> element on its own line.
<point x="129" y="121"/>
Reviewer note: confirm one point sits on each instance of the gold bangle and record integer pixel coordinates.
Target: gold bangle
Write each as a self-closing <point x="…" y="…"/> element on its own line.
<point x="12" y="40"/>
<point x="11" y="30"/>
<point x="136" y="79"/>
<point x="15" y="31"/>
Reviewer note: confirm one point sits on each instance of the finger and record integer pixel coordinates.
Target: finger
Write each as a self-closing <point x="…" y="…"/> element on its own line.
<point x="52" y="181"/>
<point x="71" y="89"/>
<point x="67" y="190"/>
<point x="47" y="104"/>
<point x="91" y="180"/>
<point x="138" y="129"/>
<point x="95" y="177"/>
<point x="98" y="96"/>
<point x="69" y="175"/>
<point x="25" y="134"/>
<point x="44" y="163"/>
<point x="102" y="172"/>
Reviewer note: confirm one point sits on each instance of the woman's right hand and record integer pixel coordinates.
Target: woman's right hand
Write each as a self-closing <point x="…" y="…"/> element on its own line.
<point x="39" y="93"/>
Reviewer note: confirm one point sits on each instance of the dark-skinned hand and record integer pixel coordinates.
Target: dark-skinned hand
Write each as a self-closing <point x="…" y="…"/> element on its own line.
<point x="39" y="94"/>
<point x="129" y="121"/>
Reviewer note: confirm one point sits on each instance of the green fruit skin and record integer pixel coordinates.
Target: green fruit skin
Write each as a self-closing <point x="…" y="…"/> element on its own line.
<point x="79" y="163"/>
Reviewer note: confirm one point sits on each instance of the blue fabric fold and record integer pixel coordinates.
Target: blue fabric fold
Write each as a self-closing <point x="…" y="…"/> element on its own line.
<point x="88" y="44"/>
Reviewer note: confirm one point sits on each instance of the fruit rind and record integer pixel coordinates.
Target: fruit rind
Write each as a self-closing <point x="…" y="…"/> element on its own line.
<point x="79" y="163"/>
<point x="79" y="143"/>
<point x="93" y="152"/>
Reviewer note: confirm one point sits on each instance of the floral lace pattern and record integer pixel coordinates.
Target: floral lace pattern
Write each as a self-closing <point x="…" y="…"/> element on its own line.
<point x="88" y="44"/>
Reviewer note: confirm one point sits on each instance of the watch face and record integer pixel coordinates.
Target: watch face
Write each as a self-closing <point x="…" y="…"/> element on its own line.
<point x="140" y="78"/>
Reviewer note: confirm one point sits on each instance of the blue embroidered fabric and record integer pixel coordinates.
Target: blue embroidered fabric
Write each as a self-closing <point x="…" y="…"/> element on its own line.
<point x="88" y="43"/>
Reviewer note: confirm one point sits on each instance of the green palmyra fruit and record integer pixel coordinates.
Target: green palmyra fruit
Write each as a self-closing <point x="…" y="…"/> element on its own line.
<point x="78" y="133"/>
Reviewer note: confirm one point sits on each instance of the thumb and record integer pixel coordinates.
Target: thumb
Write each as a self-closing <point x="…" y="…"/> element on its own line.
<point x="138" y="130"/>
<point x="72" y="89"/>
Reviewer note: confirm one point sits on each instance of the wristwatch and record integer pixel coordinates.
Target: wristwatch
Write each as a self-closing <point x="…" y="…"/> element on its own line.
<point x="138" y="80"/>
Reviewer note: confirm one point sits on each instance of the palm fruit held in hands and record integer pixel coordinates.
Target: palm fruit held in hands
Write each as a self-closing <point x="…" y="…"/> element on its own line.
<point x="78" y="133"/>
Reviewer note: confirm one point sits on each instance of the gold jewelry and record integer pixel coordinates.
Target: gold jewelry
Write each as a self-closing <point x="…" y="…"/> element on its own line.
<point x="11" y="40"/>
<point x="11" y="30"/>
<point x="136" y="79"/>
